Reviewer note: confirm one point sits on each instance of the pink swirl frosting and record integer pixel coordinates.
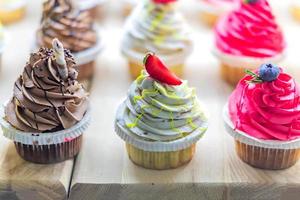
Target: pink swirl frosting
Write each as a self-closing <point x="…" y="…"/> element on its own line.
<point x="250" y="31"/>
<point x="268" y="110"/>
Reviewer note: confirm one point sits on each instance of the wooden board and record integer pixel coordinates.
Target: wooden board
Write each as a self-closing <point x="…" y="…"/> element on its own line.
<point x="103" y="170"/>
<point x="20" y="180"/>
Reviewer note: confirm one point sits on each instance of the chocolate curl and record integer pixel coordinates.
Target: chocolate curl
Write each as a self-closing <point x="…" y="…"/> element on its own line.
<point x="60" y="58"/>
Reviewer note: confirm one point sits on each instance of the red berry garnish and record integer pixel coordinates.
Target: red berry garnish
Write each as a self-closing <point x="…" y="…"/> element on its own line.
<point x="163" y="1"/>
<point x="158" y="71"/>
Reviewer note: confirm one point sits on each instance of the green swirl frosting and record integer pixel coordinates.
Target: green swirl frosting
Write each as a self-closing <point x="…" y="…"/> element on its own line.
<point x="159" y="112"/>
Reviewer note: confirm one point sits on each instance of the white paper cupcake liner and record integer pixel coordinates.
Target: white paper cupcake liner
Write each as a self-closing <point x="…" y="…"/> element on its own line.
<point x="58" y="137"/>
<point x="83" y="57"/>
<point x="244" y="61"/>
<point x="14" y="6"/>
<point x="249" y="140"/>
<point x="88" y="4"/>
<point x="158" y="146"/>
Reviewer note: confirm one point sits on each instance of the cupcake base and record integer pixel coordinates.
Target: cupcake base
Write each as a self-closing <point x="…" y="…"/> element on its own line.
<point x="48" y="154"/>
<point x="86" y="73"/>
<point x="295" y="11"/>
<point x="160" y="160"/>
<point x="210" y="19"/>
<point x="232" y="74"/>
<point x="135" y="69"/>
<point x="7" y="17"/>
<point x="267" y="158"/>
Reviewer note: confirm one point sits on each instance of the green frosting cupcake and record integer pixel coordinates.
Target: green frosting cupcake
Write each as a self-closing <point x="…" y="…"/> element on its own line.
<point x="155" y="111"/>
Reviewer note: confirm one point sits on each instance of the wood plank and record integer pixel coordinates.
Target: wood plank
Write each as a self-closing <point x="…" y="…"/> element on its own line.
<point x="21" y="180"/>
<point x="103" y="170"/>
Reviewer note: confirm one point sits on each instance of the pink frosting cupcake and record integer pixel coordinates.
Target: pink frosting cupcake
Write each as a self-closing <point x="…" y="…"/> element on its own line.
<point x="263" y="115"/>
<point x="248" y="37"/>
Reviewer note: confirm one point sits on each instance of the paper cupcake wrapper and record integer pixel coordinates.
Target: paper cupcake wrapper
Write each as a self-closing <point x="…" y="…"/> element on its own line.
<point x="88" y="4"/>
<point x="57" y="137"/>
<point x="83" y="57"/>
<point x="14" y="5"/>
<point x="244" y="61"/>
<point x="249" y="140"/>
<point x="214" y="9"/>
<point x="158" y="146"/>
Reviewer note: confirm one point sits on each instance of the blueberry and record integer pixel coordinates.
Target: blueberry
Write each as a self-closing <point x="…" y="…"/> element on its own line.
<point x="251" y="1"/>
<point x="268" y="72"/>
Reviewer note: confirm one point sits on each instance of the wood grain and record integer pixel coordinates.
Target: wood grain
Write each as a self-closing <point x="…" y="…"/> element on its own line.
<point x="103" y="170"/>
<point x="21" y="180"/>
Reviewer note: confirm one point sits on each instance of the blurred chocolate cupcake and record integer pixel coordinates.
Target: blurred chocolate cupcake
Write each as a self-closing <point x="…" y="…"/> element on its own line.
<point x="48" y="112"/>
<point x="64" y="20"/>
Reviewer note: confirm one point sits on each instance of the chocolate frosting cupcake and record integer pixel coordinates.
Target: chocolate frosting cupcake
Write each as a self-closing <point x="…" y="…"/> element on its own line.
<point x="63" y="19"/>
<point x="47" y="96"/>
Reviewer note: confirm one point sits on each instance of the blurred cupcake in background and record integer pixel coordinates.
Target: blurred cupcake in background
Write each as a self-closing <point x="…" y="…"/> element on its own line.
<point x="94" y="7"/>
<point x="128" y="6"/>
<point x="246" y="38"/>
<point x="212" y="10"/>
<point x="161" y="120"/>
<point x="63" y="19"/>
<point x="49" y="110"/>
<point x="263" y="115"/>
<point x="156" y="26"/>
<point x="295" y="9"/>
<point x="12" y="10"/>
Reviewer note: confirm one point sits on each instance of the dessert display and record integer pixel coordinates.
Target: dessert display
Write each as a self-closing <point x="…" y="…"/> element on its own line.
<point x="262" y="115"/>
<point x="246" y="38"/>
<point x="49" y="110"/>
<point x="12" y="10"/>
<point x="156" y="26"/>
<point x="64" y="20"/>
<point x="161" y="120"/>
<point x="212" y="10"/>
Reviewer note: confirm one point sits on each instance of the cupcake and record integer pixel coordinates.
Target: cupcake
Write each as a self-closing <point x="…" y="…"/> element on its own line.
<point x="161" y="119"/>
<point x="12" y="10"/>
<point x="75" y="29"/>
<point x="247" y="38"/>
<point x="156" y="26"/>
<point x="94" y="7"/>
<point x="128" y="6"/>
<point x="263" y="116"/>
<point x="48" y="112"/>
<point x="295" y="10"/>
<point x="212" y="10"/>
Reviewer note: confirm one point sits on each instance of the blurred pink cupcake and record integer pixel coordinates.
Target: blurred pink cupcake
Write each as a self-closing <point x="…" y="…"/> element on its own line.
<point x="246" y="38"/>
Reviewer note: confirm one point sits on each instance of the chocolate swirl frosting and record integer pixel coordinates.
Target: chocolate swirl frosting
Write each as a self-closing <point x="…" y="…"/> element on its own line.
<point x="63" y="20"/>
<point x="47" y="96"/>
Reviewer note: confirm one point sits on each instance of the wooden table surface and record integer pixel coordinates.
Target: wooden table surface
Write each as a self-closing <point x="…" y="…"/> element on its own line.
<point x="103" y="170"/>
